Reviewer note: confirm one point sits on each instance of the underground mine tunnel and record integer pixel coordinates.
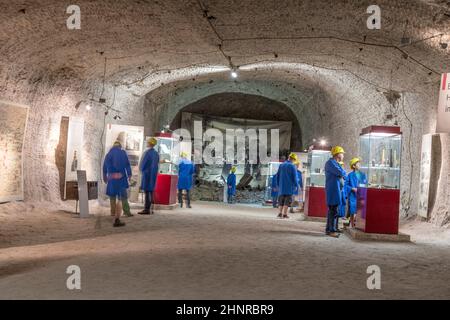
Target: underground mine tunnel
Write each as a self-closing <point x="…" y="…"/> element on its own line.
<point x="193" y="149"/>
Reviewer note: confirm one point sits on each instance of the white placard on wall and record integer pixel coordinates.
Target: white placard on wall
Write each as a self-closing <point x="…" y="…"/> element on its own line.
<point x="83" y="197"/>
<point x="425" y="172"/>
<point x="443" y="116"/>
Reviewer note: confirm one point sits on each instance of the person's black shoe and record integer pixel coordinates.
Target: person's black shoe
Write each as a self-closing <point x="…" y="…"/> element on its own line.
<point x="338" y="231"/>
<point x="332" y="234"/>
<point x="189" y="206"/>
<point x="118" y="223"/>
<point x="280" y="215"/>
<point x="144" y="212"/>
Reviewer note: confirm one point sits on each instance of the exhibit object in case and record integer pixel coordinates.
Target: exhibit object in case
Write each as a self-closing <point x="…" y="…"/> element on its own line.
<point x="315" y="196"/>
<point x="165" y="148"/>
<point x="379" y="199"/>
<point x="272" y="170"/>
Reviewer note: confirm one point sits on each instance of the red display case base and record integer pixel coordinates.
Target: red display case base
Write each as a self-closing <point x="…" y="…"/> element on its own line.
<point x="315" y="202"/>
<point x="166" y="189"/>
<point x="378" y="210"/>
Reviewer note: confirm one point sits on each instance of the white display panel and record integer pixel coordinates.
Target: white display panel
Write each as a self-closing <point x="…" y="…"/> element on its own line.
<point x="74" y="152"/>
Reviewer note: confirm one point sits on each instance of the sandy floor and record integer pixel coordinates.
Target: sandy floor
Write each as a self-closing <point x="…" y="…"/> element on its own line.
<point x="213" y="251"/>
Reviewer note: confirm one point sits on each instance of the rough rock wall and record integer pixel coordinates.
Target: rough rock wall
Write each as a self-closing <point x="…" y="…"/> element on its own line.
<point x="49" y="99"/>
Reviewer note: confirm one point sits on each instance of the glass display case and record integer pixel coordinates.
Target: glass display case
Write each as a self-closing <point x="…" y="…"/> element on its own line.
<point x="165" y="193"/>
<point x="272" y="170"/>
<point x="380" y="150"/>
<point x="315" y="198"/>
<point x="315" y="173"/>
<point x="379" y="200"/>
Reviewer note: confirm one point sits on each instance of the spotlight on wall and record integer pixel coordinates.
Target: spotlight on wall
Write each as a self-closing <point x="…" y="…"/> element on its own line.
<point x="88" y="107"/>
<point x="323" y="142"/>
<point x="234" y="74"/>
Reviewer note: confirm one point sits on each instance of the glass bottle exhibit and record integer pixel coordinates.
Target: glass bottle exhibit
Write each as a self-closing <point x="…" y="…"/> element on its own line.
<point x="379" y="200"/>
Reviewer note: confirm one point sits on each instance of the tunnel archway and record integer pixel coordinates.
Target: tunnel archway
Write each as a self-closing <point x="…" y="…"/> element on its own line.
<point x="245" y="106"/>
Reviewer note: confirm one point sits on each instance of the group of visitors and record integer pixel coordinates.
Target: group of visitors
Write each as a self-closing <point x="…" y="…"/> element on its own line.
<point x="117" y="174"/>
<point x="341" y="188"/>
<point x="287" y="186"/>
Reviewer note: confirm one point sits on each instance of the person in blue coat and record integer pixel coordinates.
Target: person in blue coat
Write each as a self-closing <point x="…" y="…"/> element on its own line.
<point x="116" y="174"/>
<point x="333" y="188"/>
<point x="186" y="171"/>
<point x="274" y="190"/>
<point x="299" y="190"/>
<point x="149" y="172"/>
<point x="353" y="181"/>
<point x="287" y="179"/>
<point x="231" y="185"/>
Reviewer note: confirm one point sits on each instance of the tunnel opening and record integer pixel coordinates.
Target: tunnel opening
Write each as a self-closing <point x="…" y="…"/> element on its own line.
<point x="231" y="110"/>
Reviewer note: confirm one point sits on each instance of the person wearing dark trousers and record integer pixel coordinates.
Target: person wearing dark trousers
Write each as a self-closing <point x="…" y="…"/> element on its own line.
<point x="342" y="207"/>
<point x="186" y="171"/>
<point x="287" y="185"/>
<point x="274" y="191"/>
<point x="149" y="169"/>
<point x="333" y="175"/>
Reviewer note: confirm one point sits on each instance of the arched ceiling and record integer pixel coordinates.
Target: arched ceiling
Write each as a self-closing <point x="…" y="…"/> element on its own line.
<point x="148" y="43"/>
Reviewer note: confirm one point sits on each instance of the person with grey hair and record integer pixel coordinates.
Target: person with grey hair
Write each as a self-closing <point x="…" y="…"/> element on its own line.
<point x="116" y="174"/>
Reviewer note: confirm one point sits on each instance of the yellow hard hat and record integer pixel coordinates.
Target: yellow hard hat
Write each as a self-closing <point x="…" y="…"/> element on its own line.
<point x="117" y="144"/>
<point x="293" y="156"/>
<point x="233" y="169"/>
<point x="184" y="154"/>
<point x="354" y="161"/>
<point x="152" y="141"/>
<point x="336" y="150"/>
